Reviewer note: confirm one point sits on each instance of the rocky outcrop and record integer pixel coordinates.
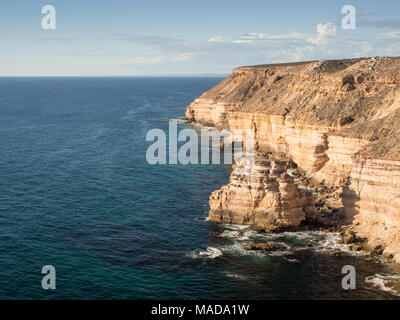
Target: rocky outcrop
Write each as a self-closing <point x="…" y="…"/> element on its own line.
<point x="337" y="120"/>
<point x="267" y="247"/>
<point x="261" y="193"/>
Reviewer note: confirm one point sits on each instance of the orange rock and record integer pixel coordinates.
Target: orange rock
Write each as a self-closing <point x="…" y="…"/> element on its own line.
<point x="337" y="120"/>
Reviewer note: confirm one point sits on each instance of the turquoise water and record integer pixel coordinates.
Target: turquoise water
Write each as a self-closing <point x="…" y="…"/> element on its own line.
<point x="77" y="193"/>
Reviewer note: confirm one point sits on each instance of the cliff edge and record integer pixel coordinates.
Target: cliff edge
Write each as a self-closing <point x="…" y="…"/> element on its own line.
<point x="338" y="121"/>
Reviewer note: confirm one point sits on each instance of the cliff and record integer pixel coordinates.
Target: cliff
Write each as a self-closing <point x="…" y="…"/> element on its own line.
<point x="263" y="196"/>
<point x="338" y="121"/>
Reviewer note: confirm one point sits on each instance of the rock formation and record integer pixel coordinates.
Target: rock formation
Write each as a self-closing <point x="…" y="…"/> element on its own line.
<point x="261" y="193"/>
<point x="268" y="247"/>
<point x="339" y="121"/>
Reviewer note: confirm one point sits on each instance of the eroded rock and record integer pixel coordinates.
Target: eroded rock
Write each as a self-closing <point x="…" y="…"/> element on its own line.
<point x="337" y="120"/>
<point x="271" y="246"/>
<point x="262" y="194"/>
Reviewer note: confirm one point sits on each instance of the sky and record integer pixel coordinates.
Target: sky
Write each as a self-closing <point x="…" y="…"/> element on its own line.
<point x="176" y="37"/>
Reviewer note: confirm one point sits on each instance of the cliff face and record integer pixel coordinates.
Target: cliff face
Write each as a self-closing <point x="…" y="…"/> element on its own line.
<point x="264" y="196"/>
<point x="339" y="121"/>
<point x="375" y="187"/>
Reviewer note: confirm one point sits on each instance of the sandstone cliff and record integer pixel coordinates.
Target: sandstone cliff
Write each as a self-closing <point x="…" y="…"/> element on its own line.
<point x="339" y="121"/>
<point x="264" y="196"/>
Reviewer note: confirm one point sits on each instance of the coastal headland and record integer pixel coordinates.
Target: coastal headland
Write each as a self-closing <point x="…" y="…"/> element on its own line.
<point x="327" y="138"/>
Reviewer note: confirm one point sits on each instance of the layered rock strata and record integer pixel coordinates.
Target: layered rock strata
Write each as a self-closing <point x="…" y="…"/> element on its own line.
<point x="339" y="121"/>
<point x="261" y="193"/>
<point x="374" y="195"/>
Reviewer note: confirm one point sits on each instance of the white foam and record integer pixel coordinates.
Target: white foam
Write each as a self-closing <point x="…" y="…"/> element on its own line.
<point x="239" y="235"/>
<point x="237" y="249"/>
<point x="235" y="275"/>
<point x="381" y="281"/>
<point x="235" y="226"/>
<point x="209" y="253"/>
<point x="230" y="234"/>
<point x="270" y="236"/>
<point x="292" y="260"/>
<point x="323" y="242"/>
<point x="299" y="235"/>
<point x="247" y="234"/>
<point x="330" y="242"/>
<point x="281" y="252"/>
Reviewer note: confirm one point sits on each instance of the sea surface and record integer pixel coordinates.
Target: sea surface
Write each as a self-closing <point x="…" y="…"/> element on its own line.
<point x="77" y="193"/>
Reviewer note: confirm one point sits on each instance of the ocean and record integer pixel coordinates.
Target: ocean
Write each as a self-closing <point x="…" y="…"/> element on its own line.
<point x="77" y="193"/>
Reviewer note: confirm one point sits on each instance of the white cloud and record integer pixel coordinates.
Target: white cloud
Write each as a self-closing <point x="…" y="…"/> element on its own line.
<point x="324" y="41"/>
<point x="394" y="34"/>
<point x="252" y="37"/>
<point x="325" y="32"/>
<point x="289" y="36"/>
<point x="160" y="59"/>
<point x="243" y="41"/>
<point x="145" y="60"/>
<point x="298" y="54"/>
<point x="256" y="47"/>
<point x="183" y="57"/>
<point x="217" y="39"/>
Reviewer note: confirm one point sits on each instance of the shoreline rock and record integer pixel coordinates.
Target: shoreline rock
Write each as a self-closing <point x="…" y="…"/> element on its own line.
<point x="261" y="193"/>
<point x="267" y="247"/>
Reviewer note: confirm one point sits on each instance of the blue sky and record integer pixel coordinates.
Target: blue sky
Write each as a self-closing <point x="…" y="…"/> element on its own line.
<point x="129" y="37"/>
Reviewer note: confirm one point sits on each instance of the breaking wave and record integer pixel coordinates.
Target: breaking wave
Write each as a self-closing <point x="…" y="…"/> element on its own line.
<point x="235" y="275"/>
<point x="330" y="243"/>
<point x="383" y="282"/>
<point x="209" y="253"/>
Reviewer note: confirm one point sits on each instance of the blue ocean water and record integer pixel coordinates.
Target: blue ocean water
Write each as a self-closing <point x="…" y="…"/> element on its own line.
<point x="77" y="193"/>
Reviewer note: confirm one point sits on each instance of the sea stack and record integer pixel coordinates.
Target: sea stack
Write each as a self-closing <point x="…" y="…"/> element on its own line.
<point x="261" y="193"/>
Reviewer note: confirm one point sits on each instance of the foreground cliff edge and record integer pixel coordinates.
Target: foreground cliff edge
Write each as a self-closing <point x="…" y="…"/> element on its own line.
<point x="332" y="126"/>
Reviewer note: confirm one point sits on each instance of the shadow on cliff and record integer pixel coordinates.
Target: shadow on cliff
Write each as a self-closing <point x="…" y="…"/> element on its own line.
<point x="350" y="203"/>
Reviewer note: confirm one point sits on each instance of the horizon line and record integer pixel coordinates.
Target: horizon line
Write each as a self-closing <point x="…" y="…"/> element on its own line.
<point x="120" y="76"/>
